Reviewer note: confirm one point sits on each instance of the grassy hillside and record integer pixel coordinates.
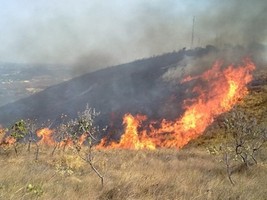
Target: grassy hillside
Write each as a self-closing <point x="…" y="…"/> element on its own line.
<point x="189" y="173"/>
<point x="253" y="105"/>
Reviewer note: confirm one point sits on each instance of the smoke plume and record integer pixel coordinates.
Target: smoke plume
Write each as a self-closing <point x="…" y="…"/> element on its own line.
<point x="89" y="35"/>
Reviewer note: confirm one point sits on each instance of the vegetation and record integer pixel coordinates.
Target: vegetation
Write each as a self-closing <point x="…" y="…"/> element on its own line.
<point x="61" y="171"/>
<point x="74" y="133"/>
<point x="244" y="139"/>
<point x="162" y="174"/>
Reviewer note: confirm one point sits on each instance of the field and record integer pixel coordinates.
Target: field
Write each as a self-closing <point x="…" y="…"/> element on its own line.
<point x="190" y="173"/>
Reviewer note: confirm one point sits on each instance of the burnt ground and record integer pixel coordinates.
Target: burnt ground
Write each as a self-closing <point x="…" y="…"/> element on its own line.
<point x="136" y="87"/>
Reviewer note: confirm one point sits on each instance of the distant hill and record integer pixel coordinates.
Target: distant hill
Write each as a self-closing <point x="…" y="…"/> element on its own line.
<point x="135" y="87"/>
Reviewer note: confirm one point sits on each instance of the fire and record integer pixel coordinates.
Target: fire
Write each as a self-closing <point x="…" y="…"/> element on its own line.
<point x="67" y="142"/>
<point x="46" y="139"/>
<point x="9" y="140"/>
<point x="82" y="138"/>
<point x="219" y="89"/>
<point x="131" y="139"/>
<point x="222" y="88"/>
<point x="46" y="136"/>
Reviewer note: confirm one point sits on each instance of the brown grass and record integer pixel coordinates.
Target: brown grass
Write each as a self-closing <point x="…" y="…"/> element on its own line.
<point x="163" y="174"/>
<point x="190" y="173"/>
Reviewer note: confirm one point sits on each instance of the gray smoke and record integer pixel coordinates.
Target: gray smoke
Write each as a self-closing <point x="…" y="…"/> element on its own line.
<point x="89" y="35"/>
<point x="235" y="22"/>
<point x="195" y="65"/>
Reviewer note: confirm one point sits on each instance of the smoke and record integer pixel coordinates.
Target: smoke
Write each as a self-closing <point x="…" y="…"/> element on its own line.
<point x="92" y="61"/>
<point x="235" y="22"/>
<point x="89" y="35"/>
<point x="194" y="62"/>
<point x="199" y="60"/>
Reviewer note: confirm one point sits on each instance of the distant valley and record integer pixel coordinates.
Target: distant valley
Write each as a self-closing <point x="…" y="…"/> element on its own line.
<point x="21" y="80"/>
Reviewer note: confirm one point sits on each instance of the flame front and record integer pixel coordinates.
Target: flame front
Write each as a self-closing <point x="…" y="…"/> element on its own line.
<point x="131" y="139"/>
<point x="46" y="136"/>
<point x="222" y="89"/>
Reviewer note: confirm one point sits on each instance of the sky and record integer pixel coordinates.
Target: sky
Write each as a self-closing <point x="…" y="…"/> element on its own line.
<point x="98" y="33"/>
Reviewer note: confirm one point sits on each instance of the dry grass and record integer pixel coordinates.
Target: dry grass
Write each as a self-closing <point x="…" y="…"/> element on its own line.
<point x="163" y="174"/>
<point x="190" y="173"/>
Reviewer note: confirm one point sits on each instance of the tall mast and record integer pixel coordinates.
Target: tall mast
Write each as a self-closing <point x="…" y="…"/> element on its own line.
<point x="193" y="30"/>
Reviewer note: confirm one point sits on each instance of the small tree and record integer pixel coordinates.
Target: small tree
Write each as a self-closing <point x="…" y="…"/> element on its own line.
<point x="5" y="141"/>
<point x="22" y="131"/>
<point x="18" y="131"/>
<point x="32" y="128"/>
<point x="84" y="125"/>
<point x="244" y="138"/>
<point x="62" y="136"/>
<point x="82" y="130"/>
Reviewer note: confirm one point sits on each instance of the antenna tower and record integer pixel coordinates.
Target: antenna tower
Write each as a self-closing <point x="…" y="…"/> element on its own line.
<point x="193" y="32"/>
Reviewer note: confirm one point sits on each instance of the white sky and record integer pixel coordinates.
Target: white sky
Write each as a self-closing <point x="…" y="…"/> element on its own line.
<point x="110" y="31"/>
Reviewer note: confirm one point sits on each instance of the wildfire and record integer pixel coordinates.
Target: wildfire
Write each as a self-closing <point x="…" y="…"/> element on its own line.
<point x="67" y="142"/>
<point x="9" y="140"/>
<point x="131" y="139"/>
<point x="219" y="90"/>
<point x="46" y="136"/>
<point x="222" y="89"/>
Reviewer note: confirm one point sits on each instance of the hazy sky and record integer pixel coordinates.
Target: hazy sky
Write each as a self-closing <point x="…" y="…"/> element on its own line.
<point x="106" y="32"/>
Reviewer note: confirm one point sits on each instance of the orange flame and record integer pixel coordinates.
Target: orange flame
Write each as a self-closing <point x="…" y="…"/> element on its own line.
<point x="9" y="140"/>
<point x="68" y="142"/>
<point x="223" y="89"/>
<point x="82" y="138"/>
<point x="131" y="139"/>
<point x="46" y="136"/>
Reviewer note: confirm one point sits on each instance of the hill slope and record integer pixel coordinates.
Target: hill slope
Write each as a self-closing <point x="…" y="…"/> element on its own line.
<point x="133" y="87"/>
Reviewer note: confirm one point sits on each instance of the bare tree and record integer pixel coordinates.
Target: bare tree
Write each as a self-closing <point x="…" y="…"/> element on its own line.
<point x="84" y="126"/>
<point x="82" y="130"/>
<point x="31" y="126"/>
<point x="244" y="138"/>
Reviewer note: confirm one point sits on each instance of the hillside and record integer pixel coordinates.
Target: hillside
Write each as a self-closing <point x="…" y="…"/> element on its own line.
<point x="135" y="87"/>
<point x="254" y="105"/>
<point x="188" y="173"/>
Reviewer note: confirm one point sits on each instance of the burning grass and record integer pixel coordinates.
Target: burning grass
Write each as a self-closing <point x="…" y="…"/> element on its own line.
<point x="162" y="174"/>
<point x="188" y="173"/>
<point x="218" y="90"/>
<point x="254" y="104"/>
